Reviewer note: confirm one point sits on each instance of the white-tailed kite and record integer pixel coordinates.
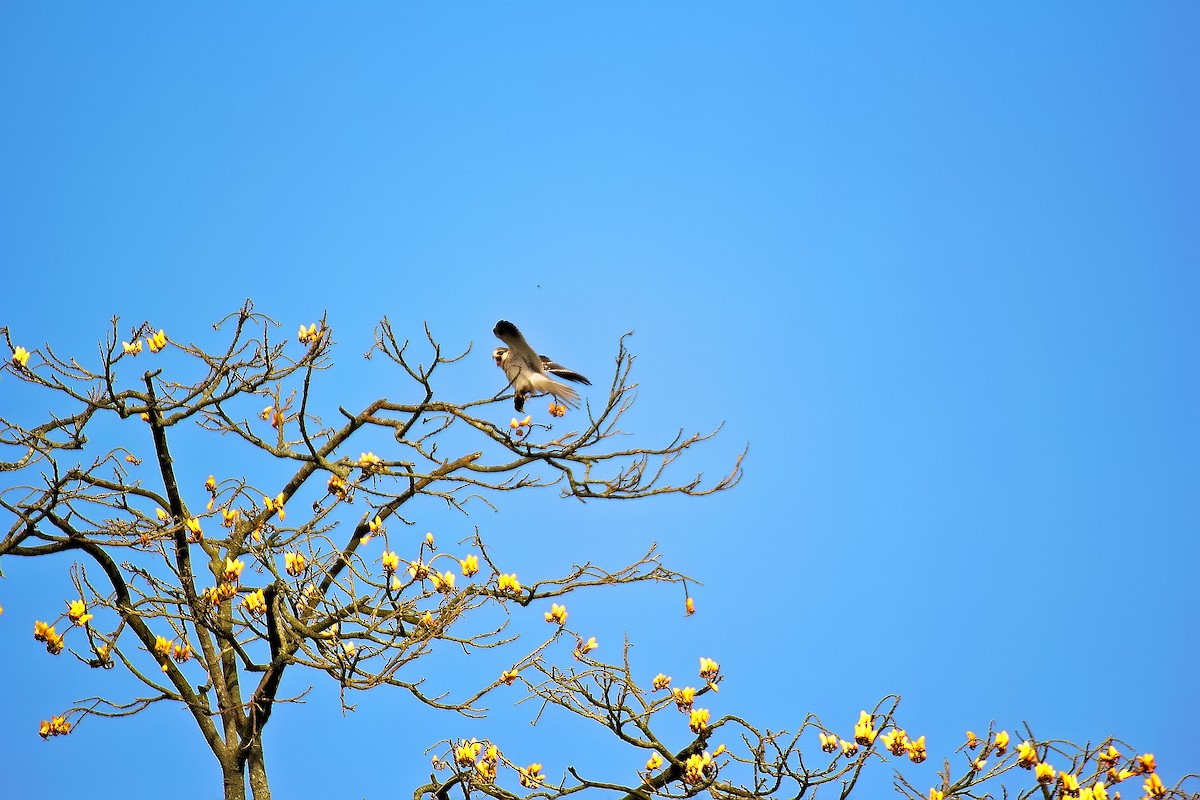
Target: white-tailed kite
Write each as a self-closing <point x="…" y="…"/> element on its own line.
<point x="529" y="373"/>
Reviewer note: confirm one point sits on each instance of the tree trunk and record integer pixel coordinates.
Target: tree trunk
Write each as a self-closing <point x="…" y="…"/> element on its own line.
<point x="258" y="771"/>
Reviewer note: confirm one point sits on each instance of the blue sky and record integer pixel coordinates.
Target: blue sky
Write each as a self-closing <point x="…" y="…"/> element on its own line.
<point x="934" y="263"/>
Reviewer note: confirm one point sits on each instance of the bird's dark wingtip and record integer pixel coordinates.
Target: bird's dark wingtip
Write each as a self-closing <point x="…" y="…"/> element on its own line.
<point x="505" y="328"/>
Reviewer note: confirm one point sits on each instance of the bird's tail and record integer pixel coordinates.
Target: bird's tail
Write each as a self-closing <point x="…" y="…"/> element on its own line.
<point x="540" y="383"/>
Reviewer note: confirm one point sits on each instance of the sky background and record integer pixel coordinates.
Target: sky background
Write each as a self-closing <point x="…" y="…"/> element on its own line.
<point x="935" y="263"/>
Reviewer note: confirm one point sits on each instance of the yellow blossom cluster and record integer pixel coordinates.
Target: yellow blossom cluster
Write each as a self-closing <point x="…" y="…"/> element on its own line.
<point x="157" y="341"/>
<point x="133" y="348"/>
<point x="864" y="730"/>
<point x="230" y="517"/>
<point x="233" y="569"/>
<point x="896" y="741"/>
<point x="275" y="505"/>
<point x="443" y="582"/>
<point x="181" y="653"/>
<point x="531" y="776"/>
<point x="661" y="682"/>
<point x="20" y="358"/>
<point x="1026" y="755"/>
<point x="390" y="562"/>
<point x="255" y="603"/>
<point x="698" y="768"/>
<point x="193" y="527"/>
<point x="709" y="670"/>
<point x="653" y="762"/>
<point x="46" y="633"/>
<point x="509" y="583"/>
<point x="557" y="614"/>
<point x="470" y="565"/>
<point x="509" y="676"/>
<point x="417" y="569"/>
<point x="429" y="540"/>
<point x="582" y="648"/>
<point x="699" y="720"/>
<point x="310" y="335"/>
<point x="683" y="698"/>
<point x="557" y="409"/>
<point x="337" y="487"/>
<point x="370" y="464"/>
<point x="521" y="426"/>
<point x="829" y="742"/>
<point x="77" y="612"/>
<point x="55" y="726"/>
<point x="689" y="607"/>
<point x="486" y="768"/>
<point x="294" y="563"/>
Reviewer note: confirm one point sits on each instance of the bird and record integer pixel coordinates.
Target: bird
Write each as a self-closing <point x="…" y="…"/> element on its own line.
<point x="529" y="373"/>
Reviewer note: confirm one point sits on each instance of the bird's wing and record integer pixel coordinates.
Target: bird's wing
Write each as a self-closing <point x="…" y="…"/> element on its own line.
<point x="554" y="368"/>
<point x="518" y="348"/>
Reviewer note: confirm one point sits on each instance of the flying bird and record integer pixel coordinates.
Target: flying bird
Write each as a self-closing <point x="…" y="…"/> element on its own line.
<point x="529" y="373"/>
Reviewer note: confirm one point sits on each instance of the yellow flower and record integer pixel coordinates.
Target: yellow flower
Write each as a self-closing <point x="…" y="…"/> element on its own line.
<point x="470" y="565"/>
<point x="255" y="603"/>
<point x="973" y="741"/>
<point x="557" y="614"/>
<point x="1109" y="758"/>
<point x="684" y="698"/>
<point x="896" y="741"/>
<point x="275" y="505"/>
<point x="181" y="654"/>
<point x="522" y="423"/>
<point x="418" y="570"/>
<point x="444" y="582"/>
<point x="916" y="750"/>
<point x="1145" y="762"/>
<point x="336" y="487"/>
<point x="935" y="794"/>
<point x="427" y="620"/>
<point x="582" y="648"/>
<point x="709" y="670"/>
<point x="531" y="776"/>
<point x="375" y="525"/>
<point x="979" y="764"/>
<point x="653" y="762"/>
<point x="1044" y="773"/>
<point x="309" y="335"/>
<point x="699" y="720"/>
<point x="157" y="341"/>
<point x="557" y="409"/>
<point x="429" y="540"/>
<point x="864" y="730"/>
<point x="466" y="753"/>
<point x="227" y="591"/>
<point x="1154" y="786"/>
<point x="1099" y="792"/>
<point x="509" y="676"/>
<point x="20" y="358"/>
<point x="1001" y="743"/>
<point x="509" y="582"/>
<point x="77" y="612"/>
<point x="294" y="563"/>
<point x="132" y="348"/>
<point x="1070" y="784"/>
<point x="391" y="562"/>
<point x="163" y="645"/>
<point x="233" y="569"/>
<point x="349" y="649"/>
<point x="1026" y="755"/>
<point x="661" y="682"/>
<point x="162" y="515"/>
<point x="829" y="742"/>
<point x="697" y="767"/>
<point x="193" y="526"/>
<point x="55" y="726"/>
<point x="370" y="463"/>
<point x="849" y="749"/>
<point x="229" y="517"/>
<point x="689" y="607"/>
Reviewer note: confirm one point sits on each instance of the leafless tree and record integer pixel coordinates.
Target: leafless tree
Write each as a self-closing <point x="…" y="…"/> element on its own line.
<point x="209" y="594"/>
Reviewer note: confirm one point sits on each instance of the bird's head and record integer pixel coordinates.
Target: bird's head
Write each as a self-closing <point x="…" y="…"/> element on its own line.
<point x="500" y="353"/>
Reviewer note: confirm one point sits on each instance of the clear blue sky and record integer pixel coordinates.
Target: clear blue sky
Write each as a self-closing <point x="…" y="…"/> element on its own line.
<point x="935" y="263"/>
